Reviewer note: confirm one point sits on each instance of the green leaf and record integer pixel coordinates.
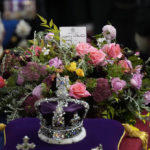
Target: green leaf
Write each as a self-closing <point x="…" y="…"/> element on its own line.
<point x="112" y="112"/>
<point x="91" y="84"/>
<point x="42" y="43"/>
<point x="50" y="92"/>
<point x="45" y="25"/>
<point x="51" y="23"/>
<point x="55" y="27"/>
<point x="57" y="37"/>
<point x="31" y="41"/>
<point x="42" y="19"/>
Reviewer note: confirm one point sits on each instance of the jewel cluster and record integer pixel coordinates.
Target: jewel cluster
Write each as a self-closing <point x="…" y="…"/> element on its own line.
<point x="60" y="134"/>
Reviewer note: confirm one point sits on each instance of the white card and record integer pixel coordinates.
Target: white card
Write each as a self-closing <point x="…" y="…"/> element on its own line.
<point x="72" y="35"/>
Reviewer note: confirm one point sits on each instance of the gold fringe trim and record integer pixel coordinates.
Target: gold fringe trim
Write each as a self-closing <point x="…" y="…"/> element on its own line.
<point x="135" y="132"/>
<point x="2" y="128"/>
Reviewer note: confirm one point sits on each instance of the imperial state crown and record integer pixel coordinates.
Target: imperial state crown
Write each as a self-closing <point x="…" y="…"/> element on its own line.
<point x="61" y="117"/>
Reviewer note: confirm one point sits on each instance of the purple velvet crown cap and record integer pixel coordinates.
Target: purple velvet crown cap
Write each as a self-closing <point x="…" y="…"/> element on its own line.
<point x="50" y="107"/>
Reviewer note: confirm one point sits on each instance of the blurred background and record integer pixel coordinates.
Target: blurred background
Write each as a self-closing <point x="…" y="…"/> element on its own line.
<point x="131" y="18"/>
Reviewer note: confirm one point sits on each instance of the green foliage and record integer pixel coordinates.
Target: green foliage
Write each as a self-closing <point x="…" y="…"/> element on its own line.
<point x="51" y="26"/>
<point x="44" y="21"/>
<point x="3" y="91"/>
<point x="91" y="84"/>
<point x="127" y="77"/>
<point x="114" y="70"/>
<point x="12" y="100"/>
<point x="135" y="60"/>
<point x="108" y="113"/>
<point x="12" y="80"/>
<point x="146" y="83"/>
<point x="44" y="89"/>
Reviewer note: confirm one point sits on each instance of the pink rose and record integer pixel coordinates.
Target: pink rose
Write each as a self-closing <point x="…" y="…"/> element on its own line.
<point x="78" y="90"/>
<point x="126" y="64"/>
<point x="56" y="62"/>
<point x="96" y="57"/>
<point x="109" y="32"/>
<point x="136" y="80"/>
<point x="117" y="84"/>
<point x="37" y="91"/>
<point x="112" y="50"/>
<point x="147" y="97"/>
<point x="83" y="48"/>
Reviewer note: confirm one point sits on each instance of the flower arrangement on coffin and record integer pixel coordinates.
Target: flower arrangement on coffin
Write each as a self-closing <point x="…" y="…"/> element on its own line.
<point x="112" y="79"/>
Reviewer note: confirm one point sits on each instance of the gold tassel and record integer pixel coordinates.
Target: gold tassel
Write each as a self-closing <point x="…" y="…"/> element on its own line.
<point x="2" y="128"/>
<point x="135" y="132"/>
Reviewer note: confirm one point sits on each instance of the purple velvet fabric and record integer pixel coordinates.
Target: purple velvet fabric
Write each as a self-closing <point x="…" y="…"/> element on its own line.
<point x="49" y="107"/>
<point x="99" y="131"/>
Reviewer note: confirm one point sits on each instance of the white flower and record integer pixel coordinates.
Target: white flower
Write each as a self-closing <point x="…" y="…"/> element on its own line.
<point x="45" y="51"/>
<point x="100" y="42"/>
<point x="109" y="32"/>
<point x="23" y="29"/>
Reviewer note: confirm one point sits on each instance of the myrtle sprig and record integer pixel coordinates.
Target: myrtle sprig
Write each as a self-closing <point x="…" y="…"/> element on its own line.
<point x="51" y="27"/>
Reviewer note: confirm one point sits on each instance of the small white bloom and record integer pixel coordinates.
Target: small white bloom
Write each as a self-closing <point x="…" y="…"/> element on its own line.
<point x="49" y="45"/>
<point x="110" y="62"/>
<point x="45" y="51"/>
<point x="23" y="29"/>
<point x="100" y="42"/>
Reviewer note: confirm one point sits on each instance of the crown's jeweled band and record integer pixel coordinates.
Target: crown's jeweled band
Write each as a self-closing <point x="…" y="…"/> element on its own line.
<point x="61" y="134"/>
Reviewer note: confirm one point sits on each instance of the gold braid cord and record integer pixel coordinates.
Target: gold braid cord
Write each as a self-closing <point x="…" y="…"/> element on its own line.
<point x="135" y="132"/>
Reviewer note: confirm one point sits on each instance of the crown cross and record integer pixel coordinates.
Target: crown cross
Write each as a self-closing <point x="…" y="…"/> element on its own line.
<point x="25" y="145"/>
<point x="62" y="84"/>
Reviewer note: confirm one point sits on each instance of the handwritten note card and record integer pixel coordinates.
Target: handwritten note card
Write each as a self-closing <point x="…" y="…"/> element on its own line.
<point x="72" y="35"/>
